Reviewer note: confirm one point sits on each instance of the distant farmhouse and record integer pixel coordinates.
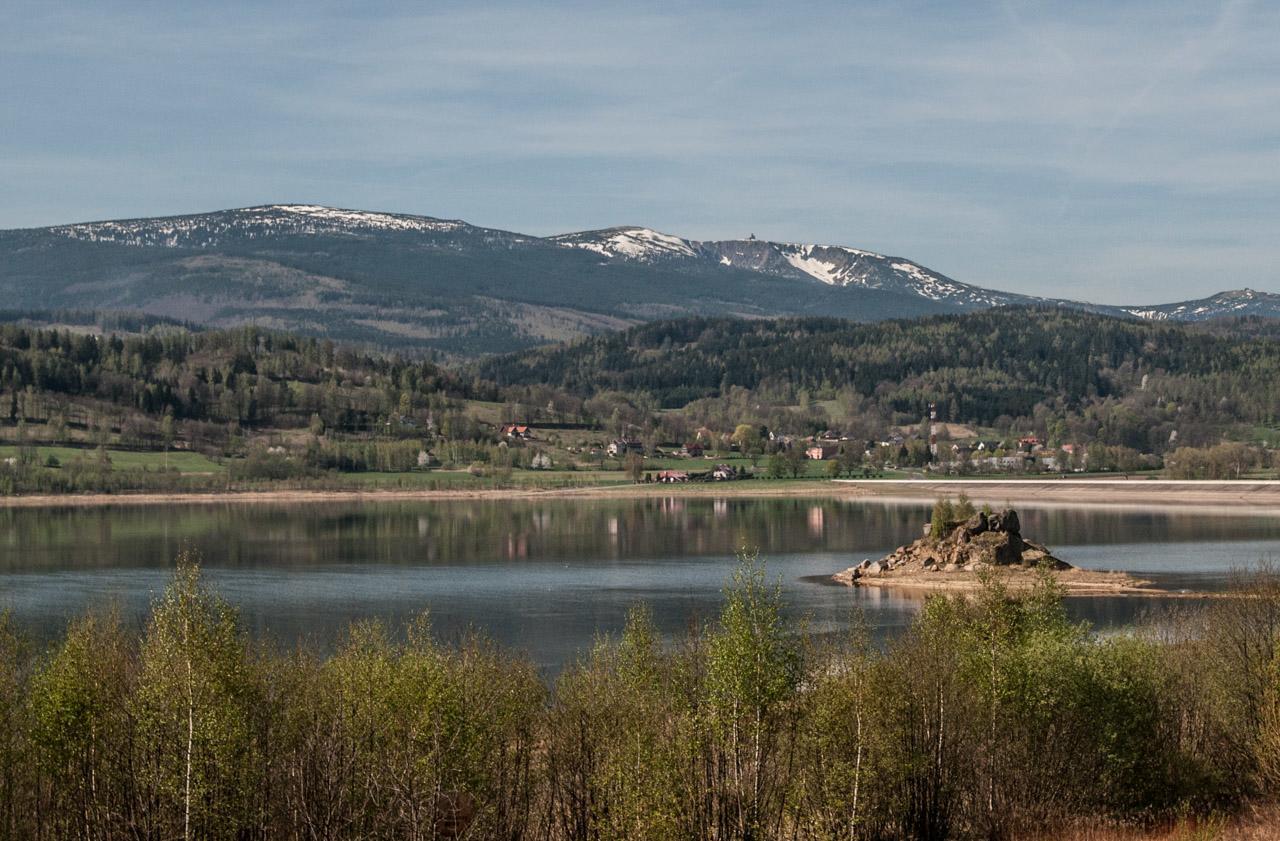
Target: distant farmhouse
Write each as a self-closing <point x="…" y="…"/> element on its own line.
<point x="821" y="452"/>
<point x="621" y="446"/>
<point x="516" y="431"/>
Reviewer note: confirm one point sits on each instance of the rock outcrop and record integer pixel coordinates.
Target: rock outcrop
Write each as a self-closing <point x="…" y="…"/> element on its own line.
<point x="982" y="541"/>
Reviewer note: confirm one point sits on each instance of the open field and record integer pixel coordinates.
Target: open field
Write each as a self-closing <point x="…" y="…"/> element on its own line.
<point x="182" y="461"/>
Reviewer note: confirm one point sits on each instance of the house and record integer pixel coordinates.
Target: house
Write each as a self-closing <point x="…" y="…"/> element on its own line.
<point x="821" y="452"/>
<point x="621" y="446"/>
<point x="1031" y="443"/>
<point x="517" y="431"/>
<point x="723" y="473"/>
<point x="691" y="450"/>
<point x="672" y="477"/>
<point x="986" y="446"/>
<point x="894" y="440"/>
<point x="1014" y="462"/>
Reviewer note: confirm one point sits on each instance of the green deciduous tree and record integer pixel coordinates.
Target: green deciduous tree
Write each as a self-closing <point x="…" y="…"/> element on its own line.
<point x="82" y="732"/>
<point x="197" y="700"/>
<point x="753" y="668"/>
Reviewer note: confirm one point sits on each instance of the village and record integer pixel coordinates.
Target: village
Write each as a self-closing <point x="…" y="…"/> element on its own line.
<point x="757" y="451"/>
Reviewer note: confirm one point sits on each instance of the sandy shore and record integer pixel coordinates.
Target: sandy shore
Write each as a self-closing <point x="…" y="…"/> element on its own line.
<point x="719" y="490"/>
<point x="1247" y="495"/>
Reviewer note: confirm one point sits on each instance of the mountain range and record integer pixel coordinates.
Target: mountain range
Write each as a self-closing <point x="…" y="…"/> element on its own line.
<point x="403" y="280"/>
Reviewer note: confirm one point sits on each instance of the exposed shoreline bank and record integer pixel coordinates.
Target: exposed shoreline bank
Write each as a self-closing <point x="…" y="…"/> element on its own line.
<point x="1074" y="582"/>
<point x="1253" y="496"/>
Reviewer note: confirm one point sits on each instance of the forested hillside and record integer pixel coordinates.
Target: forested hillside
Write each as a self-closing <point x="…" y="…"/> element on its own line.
<point x="1033" y="387"/>
<point x="244" y="377"/>
<point x="987" y="368"/>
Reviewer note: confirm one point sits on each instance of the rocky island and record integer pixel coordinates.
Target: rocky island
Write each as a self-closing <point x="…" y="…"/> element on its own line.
<point x="959" y="554"/>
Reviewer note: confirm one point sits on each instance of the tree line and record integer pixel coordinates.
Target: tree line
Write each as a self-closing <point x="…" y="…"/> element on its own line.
<point x="246" y="377"/>
<point x="991" y="717"/>
<point x="1128" y="387"/>
<point x="1074" y="374"/>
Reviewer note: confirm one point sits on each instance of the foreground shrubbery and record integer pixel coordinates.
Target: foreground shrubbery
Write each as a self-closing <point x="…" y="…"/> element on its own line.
<point x="991" y="717"/>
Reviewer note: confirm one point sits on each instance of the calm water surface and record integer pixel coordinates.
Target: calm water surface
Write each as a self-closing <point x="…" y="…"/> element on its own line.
<point x="546" y="577"/>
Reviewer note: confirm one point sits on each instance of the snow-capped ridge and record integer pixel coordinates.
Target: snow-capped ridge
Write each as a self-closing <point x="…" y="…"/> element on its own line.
<point x="206" y="230"/>
<point x="1233" y="302"/>
<point x="723" y="265"/>
<point x="629" y="242"/>
<point x="360" y="218"/>
<point x="834" y="265"/>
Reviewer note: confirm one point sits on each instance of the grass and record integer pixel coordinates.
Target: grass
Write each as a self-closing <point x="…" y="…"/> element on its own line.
<point x="1267" y="435"/>
<point x="182" y="461"/>
<point x="487" y="411"/>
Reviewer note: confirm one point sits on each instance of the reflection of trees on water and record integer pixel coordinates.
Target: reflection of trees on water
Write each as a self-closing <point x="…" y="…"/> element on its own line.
<point x="566" y="531"/>
<point x="1066" y="526"/>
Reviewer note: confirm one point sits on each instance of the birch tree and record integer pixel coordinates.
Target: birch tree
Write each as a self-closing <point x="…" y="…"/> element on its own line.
<point x="195" y="704"/>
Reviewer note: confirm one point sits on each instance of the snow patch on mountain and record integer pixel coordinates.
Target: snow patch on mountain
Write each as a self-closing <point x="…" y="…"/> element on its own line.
<point x="207" y="230"/>
<point x="643" y="244"/>
<point x="1225" y="304"/>
<point x="363" y="219"/>
<point x="840" y="265"/>
<point x="834" y="265"/>
<point x="935" y="287"/>
<point x="802" y="258"/>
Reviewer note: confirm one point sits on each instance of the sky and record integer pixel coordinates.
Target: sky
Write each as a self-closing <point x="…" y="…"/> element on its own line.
<point x="1114" y="152"/>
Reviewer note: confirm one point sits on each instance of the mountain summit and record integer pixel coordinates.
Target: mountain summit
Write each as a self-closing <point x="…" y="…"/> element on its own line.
<point x="834" y="265"/>
<point x="399" y="279"/>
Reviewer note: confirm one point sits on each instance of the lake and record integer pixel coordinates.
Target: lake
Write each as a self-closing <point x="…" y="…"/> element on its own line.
<point x="547" y="576"/>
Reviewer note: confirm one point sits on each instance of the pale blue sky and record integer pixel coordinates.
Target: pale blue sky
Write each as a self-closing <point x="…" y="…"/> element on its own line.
<point x="1118" y="152"/>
